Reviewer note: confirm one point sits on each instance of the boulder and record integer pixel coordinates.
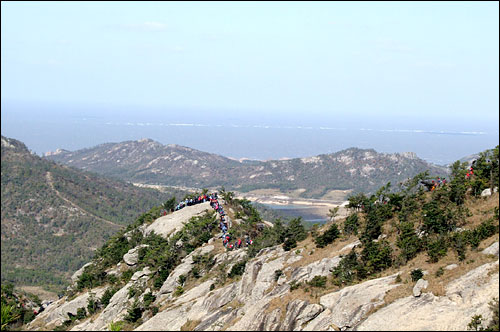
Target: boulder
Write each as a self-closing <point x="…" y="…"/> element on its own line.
<point x="184" y="268"/>
<point x="57" y="312"/>
<point x="139" y="274"/>
<point x="451" y="267"/>
<point x="309" y="313"/>
<point x="348" y="306"/>
<point x="132" y="256"/>
<point x="491" y="250"/>
<point x="421" y="284"/>
<point x="318" y="268"/>
<point x="78" y="273"/>
<point x="168" y="225"/>
<point x="486" y="192"/>
<point x="465" y="297"/>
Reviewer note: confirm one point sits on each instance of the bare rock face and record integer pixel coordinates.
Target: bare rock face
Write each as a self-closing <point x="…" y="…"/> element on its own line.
<point x="421" y="284"/>
<point x="319" y="268"/>
<point x="348" y="306"/>
<point x="57" y="312"/>
<point x="118" y="304"/>
<point x="77" y="274"/>
<point x="182" y="269"/>
<point x="491" y="250"/>
<point x="465" y="297"/>
<point x="298" y="313"/>
<point x="132" y="256"/>
<point x="170" y="224"/>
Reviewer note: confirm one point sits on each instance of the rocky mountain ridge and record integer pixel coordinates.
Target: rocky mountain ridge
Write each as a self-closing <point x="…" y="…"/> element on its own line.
<point x="267" y="295"/>
<point x="150" y="162"/>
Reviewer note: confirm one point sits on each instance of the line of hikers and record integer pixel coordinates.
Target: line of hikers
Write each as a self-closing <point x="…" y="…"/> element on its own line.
<point x="431" y="185"/>
<point x="226" y="237"/>
<point x="196" y="200"/>
<point x="223" y="226"/>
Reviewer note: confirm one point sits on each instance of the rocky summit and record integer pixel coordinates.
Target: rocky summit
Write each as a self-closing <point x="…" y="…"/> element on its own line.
<point x="150" y="162"/>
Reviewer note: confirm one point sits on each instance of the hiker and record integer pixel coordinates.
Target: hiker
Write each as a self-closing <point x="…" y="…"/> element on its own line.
<point x="239" y="243"/>
<point x="426" y="183"/>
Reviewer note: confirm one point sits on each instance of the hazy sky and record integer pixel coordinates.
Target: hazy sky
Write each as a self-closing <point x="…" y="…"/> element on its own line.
<point x="435" y="59"/>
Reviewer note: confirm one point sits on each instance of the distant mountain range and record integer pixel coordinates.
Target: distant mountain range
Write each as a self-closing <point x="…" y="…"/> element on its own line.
<point x="148" y="161"/>
<point x="54" y="216"/>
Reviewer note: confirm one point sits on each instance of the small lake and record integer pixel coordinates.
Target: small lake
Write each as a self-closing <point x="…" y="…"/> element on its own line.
<point x="311" y="214"/>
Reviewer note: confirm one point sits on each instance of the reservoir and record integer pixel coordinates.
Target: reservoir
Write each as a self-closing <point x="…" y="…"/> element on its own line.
<point x="311" y="214"/>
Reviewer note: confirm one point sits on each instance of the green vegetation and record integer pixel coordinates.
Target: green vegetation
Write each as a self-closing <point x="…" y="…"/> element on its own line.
<point x="51" y="213"/>
<point x="318" y="281"/>
<point x="17" y="307"/>
<point x="351" y="224"/>
<point x="328" y="237"/>
<point x="134" y="312"/>
<point x="237" y="269"/>
<point x="427" y="222"/>
<point x="416" y="274"/>
<point x="476" y="323"/>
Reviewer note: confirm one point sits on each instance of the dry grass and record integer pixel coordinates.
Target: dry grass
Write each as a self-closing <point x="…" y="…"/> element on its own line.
<point x="481" y="209"/>
<point x="282" y="301"/>
<point x="40" y="292"/>
<point x="190" y="325"/>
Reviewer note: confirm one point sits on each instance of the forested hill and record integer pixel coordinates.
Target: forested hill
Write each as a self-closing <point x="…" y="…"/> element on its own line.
<point x="53" y="216"/>
<point x="147" y="161"/>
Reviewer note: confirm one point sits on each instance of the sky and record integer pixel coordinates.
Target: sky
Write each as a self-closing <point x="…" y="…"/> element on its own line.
<point x="401" y="63"/>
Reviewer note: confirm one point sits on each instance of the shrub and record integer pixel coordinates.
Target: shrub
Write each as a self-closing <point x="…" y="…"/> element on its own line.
<point x="416" y="274"/>
<point x="377" y="256"/>
<point x="459" y="243"/>
<point x="106" y="297"/>
<point x="439" y="272"/>
<point x="351" y="224"/>
<point x="126" y="275"/>
<point x="346" y="271"/>
<point x="179" y="291"/>
<point x="435" y="219"/>
<point x="475" y="323"/>
<point x="148" y="299"/>
<point x="134" y="313"/>
<point x="317" y="281"/>
<point x="289" y="243"/>
<point x="92" y="304"/>
<point x="328" y="237"/>
<point x="408" y="241"/>
<point x="294" y="285"/>
<point x="182" y="279"/>
<point x="81" y="313"/>
<point x="117" y="326"/>
<point x="436" y="249"/>
<point x="277" y="274"/>
<point x="237" y="269"/>
<point x="132" y="291"/>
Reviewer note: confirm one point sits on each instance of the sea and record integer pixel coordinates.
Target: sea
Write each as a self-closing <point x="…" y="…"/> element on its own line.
<point x="260" y="136"/>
